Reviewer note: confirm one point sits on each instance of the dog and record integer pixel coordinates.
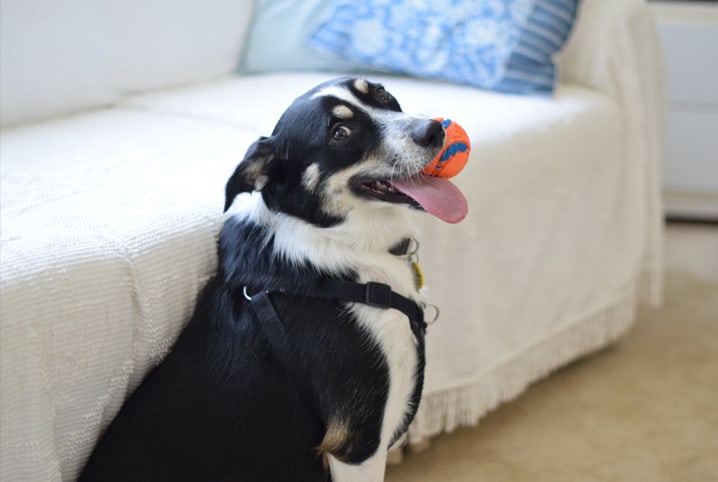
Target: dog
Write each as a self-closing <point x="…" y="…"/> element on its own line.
<point x="304" y="359"/>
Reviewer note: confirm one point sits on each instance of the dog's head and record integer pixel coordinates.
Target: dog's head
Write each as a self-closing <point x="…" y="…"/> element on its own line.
<point x="345" y="146"/>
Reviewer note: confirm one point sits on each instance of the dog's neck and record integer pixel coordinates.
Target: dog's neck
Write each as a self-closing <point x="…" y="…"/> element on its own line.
<point x="364" y="239"/>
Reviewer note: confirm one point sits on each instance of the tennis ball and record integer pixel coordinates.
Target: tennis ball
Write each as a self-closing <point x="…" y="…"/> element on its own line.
<point x="455" y="154"/>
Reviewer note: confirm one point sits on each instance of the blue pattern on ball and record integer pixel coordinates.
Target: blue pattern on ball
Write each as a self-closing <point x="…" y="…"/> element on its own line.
<point x="451" y="151"/>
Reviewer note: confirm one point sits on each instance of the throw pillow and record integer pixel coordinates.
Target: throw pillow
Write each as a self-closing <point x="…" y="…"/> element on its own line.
<point x="277" y="38"/>
<point x="503" y="45"/>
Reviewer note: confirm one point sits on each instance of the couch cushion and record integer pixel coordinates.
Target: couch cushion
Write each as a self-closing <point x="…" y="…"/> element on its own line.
<point x="487" y="116"/>
<point x="52" y="58"/>
<point x="61" y="57"/>
<point x="171" y="42"/>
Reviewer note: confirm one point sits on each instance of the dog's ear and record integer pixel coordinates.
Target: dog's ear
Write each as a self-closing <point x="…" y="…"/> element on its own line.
<point x="252" y="173"/>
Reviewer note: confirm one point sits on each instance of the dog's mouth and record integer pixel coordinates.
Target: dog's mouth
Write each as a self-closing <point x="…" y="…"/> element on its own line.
<point x="384" y="190"/>
<point x="435" y="195"/>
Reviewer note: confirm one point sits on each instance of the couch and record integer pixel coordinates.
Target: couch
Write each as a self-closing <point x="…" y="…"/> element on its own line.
<point x="121" y="126"/>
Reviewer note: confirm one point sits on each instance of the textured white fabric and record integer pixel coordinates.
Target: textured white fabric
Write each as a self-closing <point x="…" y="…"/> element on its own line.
<point x="109" y="223"/>
<point x="557" y="247"/>
<point x="616" y="50"/>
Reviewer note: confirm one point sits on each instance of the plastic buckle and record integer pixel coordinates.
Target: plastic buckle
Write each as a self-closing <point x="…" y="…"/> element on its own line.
<point x="378" y="294"/>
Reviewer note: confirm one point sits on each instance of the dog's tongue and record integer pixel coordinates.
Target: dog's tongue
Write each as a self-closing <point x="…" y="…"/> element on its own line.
<point x="437" y="195"/>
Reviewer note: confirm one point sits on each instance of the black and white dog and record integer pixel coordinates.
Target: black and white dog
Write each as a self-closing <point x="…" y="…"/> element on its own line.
<point x="304" y="359"/>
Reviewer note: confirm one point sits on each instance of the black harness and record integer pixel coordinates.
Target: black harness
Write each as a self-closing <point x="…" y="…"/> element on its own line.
<point x="378" y="295"/>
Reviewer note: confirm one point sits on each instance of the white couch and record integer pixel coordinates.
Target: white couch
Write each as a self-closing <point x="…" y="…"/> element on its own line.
<point x="121" y="126"/>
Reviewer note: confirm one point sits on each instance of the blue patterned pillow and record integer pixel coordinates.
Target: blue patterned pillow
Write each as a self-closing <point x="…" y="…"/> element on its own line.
<point x="503" y="45"/>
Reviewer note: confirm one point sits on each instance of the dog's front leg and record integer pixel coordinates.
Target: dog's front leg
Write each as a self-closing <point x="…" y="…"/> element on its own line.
<point x="371" y="470"/>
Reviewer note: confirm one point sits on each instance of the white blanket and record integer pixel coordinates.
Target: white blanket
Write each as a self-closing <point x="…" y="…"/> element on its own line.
<point x="109" y="222"/>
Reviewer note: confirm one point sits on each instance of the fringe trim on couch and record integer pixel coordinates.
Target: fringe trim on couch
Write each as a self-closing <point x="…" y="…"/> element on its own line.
<point x="650" y="286"/>
<point x="446" y="410"/>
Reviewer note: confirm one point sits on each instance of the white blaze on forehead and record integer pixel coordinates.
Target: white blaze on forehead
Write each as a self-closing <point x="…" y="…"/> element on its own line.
<point x="362" y="86"/>
<point x="340" y="92"/>
<point x="344" y="94"/>
<point x="342" y="112"/>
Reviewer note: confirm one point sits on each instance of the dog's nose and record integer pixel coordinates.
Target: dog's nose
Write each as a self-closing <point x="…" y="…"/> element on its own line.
<point x="428" y="133"/>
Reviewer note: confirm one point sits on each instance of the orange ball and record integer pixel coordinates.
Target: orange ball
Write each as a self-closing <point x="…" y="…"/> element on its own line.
<point x="455" y="154"/>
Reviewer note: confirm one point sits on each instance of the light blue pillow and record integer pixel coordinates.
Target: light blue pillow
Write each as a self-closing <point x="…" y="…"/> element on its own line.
<point x="277" y="38"/>
<point x="503" y="45"/>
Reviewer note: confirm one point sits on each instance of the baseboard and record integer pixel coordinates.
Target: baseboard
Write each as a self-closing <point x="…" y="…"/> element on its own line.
<point x="691" y="206"/>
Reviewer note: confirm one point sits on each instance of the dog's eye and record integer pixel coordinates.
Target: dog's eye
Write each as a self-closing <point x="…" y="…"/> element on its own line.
<point x="341" y="133"/>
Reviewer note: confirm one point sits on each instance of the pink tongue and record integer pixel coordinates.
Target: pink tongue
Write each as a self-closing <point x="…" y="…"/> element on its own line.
<point x="437" y="195"/>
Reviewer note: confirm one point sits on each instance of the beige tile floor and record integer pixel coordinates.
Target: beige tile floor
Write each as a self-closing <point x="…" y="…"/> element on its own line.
<point x="645" y="409"/>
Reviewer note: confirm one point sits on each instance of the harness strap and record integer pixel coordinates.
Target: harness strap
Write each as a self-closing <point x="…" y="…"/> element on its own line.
<point x="379" y="295"/>
<point x="374" y="294"/>
<point x="275" y="333"/>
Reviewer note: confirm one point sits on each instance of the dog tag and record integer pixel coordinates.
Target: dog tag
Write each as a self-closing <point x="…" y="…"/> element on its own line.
<point x="418" y="275"/>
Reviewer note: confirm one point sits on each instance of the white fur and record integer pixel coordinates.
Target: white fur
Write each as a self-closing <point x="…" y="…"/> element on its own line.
<point x="391" y="331"/>
<point x="311" y="177"/>
<point x="341" y="93"/>
<point x="342" y="112"/>
<point x="361" y="85"/>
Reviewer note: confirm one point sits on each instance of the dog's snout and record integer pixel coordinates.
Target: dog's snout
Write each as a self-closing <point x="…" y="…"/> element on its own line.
<point x="428" y="133"/>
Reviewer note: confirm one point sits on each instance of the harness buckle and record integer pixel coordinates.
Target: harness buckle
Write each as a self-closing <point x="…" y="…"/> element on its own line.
<point x="378" y="295"/>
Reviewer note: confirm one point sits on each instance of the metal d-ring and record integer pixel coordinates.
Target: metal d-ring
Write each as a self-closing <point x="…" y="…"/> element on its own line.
<point x="244" y="292"/>
<point x="436" y="313"/>
<point x="413" y="250"/>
